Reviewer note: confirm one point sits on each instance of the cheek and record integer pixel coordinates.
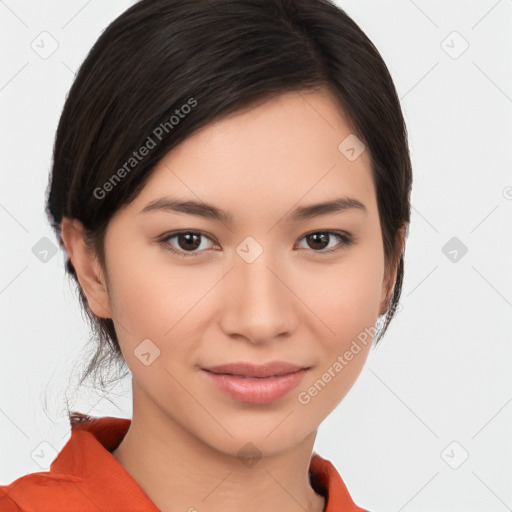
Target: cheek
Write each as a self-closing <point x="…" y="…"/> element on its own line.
<point x="348" y="308"/>
<point x="345" y="297"/>
<point x="151" y="300"/>
<point x="157" y="300"/>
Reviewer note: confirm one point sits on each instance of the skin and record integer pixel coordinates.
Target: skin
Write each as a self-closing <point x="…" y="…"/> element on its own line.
<point x="292" y="303"/>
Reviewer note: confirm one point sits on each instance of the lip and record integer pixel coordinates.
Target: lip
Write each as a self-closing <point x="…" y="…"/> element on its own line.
<point x="245" y="369"/>
<point x="277" y="381"/>
<point x="259" y="391"/>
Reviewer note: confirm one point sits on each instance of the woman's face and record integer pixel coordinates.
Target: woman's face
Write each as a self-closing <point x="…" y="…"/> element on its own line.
<point x="256" y="286"/>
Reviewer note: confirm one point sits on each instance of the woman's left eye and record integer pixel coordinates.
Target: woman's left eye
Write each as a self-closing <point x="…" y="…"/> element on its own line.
<point x="320" y="237"/>
<point x="192" y="240"/>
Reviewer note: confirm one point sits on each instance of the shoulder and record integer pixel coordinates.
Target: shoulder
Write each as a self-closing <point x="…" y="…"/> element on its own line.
<point x="75" y="480"/>
<point x="7" y="504"/>
<point x="83" y="477"/>
<point x="43" y="491"/>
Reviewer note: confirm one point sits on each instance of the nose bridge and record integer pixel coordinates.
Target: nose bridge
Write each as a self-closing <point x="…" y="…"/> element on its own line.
<point x="259" y="303"/>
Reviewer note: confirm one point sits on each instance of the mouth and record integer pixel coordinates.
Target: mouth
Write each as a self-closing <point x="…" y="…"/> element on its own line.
<point x="255" y="378"/>
<point x="255" y="390"/>
<point x="246" y="370"/>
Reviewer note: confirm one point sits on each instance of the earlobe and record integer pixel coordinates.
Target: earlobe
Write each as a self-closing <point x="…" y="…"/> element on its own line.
<point x="87" y="267"/>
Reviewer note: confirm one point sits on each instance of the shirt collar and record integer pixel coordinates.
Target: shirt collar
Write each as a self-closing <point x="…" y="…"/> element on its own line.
<point x="98" y="475"/>
<point x="87" y="459"/>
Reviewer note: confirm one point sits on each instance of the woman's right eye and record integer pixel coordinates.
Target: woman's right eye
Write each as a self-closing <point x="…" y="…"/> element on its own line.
<point x="184" y="240"/>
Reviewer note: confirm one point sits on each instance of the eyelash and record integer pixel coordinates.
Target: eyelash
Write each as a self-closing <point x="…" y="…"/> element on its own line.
<point x="346" y="241"/>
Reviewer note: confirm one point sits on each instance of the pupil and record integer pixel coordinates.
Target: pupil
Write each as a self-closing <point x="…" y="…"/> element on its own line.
<point x="187" y="237"/>
<point x="315" y="237"/>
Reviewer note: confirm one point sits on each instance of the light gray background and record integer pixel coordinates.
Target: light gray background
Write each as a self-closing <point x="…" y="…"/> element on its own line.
<point x="442" y="373"/>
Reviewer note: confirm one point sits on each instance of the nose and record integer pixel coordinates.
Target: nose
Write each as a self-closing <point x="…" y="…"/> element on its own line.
<point x="258" y="303"/>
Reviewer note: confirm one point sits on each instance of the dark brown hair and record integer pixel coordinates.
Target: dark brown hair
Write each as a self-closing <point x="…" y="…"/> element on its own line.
<point x="224" y="55"/>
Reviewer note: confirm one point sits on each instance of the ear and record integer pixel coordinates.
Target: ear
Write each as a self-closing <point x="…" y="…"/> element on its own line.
<point x="388" y="283"/>
<point x="87" y="267"/>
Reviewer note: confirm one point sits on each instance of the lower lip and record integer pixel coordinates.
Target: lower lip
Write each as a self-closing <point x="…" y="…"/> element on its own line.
<point x="256" y="391"/>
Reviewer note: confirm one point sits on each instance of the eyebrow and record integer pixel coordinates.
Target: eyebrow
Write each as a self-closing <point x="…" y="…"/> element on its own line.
<point x="209" y="211"/>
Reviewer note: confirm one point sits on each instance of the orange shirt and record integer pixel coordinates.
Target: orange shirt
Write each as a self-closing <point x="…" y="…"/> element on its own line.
<point x="85" y="477"/>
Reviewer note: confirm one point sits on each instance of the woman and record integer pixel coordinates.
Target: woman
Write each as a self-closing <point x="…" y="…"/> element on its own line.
<point x="231" y="185"/>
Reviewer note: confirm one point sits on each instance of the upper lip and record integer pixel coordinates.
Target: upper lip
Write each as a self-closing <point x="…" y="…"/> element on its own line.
<point x="271" y="369"/>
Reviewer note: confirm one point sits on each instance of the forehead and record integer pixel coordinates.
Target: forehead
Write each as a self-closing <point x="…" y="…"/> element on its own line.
<point x="280" y="151"/>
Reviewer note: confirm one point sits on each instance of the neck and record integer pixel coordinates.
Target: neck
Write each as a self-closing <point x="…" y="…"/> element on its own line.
<point x="180" y="472"/>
